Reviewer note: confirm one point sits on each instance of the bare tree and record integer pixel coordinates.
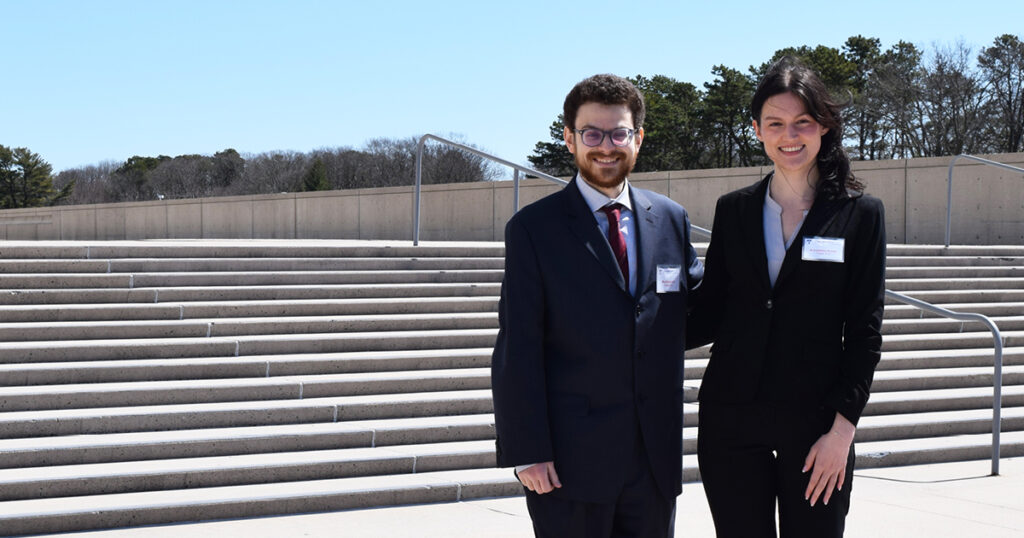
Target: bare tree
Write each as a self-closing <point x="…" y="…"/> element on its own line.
<point x="1002" y="67"/>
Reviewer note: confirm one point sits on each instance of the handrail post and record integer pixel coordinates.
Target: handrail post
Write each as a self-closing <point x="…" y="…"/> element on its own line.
<point x="416" y="198"/>
<point x="419" y="176"/>
<point x="949" y="184"/>
<point x="997" y="377"/>
<point x="515" y="191"/>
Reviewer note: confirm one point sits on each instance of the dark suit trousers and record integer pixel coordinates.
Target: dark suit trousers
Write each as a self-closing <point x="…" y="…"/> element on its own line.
<point x="752" y="456"/>
<point x="641" y="511"/>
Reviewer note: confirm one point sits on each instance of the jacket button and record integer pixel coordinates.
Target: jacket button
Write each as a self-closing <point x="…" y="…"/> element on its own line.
<point x="768" y="304"/>
<point x="638" y="310"/>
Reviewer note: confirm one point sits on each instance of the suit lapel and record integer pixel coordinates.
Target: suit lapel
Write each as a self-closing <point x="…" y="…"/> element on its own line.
<point x="816" y="222"/>
<point x="752" y="229"/>
<point x="645" y="220"/>
<point x="584" y="225"/>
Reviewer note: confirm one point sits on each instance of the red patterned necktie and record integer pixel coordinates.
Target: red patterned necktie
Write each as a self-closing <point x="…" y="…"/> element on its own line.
<point x="616" y="240"/>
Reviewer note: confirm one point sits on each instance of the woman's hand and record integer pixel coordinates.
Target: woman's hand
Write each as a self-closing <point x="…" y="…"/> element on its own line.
<point x="827" y="461"/>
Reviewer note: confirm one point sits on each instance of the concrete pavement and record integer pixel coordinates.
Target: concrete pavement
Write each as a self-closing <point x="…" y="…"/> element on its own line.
<point x="938" y="501"/>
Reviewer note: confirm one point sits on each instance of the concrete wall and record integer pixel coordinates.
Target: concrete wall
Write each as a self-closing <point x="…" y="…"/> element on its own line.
<point x="988" y="207"/>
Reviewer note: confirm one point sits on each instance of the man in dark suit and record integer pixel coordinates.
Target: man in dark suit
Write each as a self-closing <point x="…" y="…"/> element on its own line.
<point x="587" y="370"/>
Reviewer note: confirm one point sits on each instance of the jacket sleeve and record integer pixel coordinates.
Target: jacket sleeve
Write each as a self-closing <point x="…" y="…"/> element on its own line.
<point x="707" y="300"/>
<point x="517" y="365"/>
<point x="695" y="269"/>
<point x="864" y="299"/>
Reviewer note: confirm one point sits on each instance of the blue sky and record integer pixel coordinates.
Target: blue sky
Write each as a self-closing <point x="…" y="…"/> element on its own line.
<point x="91" y="81"/>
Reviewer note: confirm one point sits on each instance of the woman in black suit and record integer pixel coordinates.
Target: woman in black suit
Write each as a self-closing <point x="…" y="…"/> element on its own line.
<point x="792" y="299"/>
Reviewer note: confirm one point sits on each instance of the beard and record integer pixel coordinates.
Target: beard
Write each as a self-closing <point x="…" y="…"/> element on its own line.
<point x="605" y="177"/>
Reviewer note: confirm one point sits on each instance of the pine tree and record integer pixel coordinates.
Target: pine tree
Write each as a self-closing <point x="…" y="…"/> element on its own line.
<point x="316" y="178"/>
<point x="26" y="180"/>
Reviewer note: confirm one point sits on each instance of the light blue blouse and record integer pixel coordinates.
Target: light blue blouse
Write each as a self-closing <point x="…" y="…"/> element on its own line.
<point x="775" y="245"/>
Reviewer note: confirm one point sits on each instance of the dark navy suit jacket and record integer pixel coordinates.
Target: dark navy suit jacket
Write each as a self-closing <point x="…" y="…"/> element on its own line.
<point x="580" y="366"/>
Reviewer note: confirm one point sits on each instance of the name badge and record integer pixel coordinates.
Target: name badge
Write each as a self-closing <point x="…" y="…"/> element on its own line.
<point x="668" y="278"/>
<point x="823" y="249"/>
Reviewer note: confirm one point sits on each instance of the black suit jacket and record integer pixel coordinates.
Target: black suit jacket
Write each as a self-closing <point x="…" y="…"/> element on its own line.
<point x="580" y="366"/>
<point x="814" y="340"/>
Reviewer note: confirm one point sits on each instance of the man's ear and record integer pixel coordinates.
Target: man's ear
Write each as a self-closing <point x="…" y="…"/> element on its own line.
<point x="570" y="140"/>
<point x="638" y="136"/>
<point x="757" y="130"/>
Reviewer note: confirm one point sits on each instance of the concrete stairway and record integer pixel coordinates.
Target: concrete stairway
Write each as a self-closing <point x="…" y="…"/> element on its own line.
<point x="153" y="382"/>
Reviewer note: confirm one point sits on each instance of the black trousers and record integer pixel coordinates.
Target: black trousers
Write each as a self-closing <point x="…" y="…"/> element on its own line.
<point x="640" y="511"/>
<point x="751" y="457"/>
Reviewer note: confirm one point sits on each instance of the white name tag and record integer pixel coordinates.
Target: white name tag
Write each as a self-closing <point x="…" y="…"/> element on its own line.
<point x="668" y="278"/>
<point x="823" y="249"/>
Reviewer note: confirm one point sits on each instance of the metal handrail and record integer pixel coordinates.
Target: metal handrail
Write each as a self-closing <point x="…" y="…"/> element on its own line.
<point x="949" y="184"/>
<point x="478" y="153"/>
<point x="997" y="395"/>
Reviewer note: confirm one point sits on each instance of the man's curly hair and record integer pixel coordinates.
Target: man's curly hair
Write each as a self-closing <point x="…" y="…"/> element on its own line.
<point x="606" y="90"/>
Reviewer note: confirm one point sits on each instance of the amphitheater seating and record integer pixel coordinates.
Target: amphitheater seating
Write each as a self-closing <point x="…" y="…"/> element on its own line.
<point x="160" y="381"/>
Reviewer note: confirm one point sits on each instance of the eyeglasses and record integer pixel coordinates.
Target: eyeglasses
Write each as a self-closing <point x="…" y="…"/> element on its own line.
<point x="594" y="137"/>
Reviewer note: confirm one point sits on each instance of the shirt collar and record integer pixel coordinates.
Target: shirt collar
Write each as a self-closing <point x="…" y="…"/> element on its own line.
<point x="596" y="199"/>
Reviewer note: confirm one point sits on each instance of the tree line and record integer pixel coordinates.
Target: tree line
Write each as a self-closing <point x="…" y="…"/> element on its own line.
<point x="902" y="103"/>
<point x="383" y="162"/>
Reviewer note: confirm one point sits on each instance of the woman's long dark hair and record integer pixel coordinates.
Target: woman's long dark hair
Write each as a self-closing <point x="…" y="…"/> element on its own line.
<point x="789" y="75"/>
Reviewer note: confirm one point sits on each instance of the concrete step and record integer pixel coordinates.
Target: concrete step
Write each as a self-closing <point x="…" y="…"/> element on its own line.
<point x="60" y="422"/>
<point x="139" y="446"/>
<point x="921" y="401"/>
<point x="906" y="342"/>
<point x="953" y="261"/>
<point x="212" y="248"/>
<point x="57" y="373"/>
<point x="943" y="378"/>
<point x="147" y="393"/>
<point x="923" y="342"/>
<point x="948" y="358"/>
<point x="251" y="278"/>
<point x="904" y="311"/>
<point x="66" y="514"/>
<point x="906" y="360"/>
<point x="928" y="284"/>
<point x="215" y="327"/>
<point x="154" y="348"/>
<point x="262" y="322"/>
<point x="900" y="452"/>
<point x="962" y="296"/>
<point x="949" y="326"/>
<point x="247" y="293"/>
<point x="54" y="266"/>
<point x="957" y="272"/>
<point x="64" y="281"/>
<point x="376" y="263"/>
<point x="190" y="473"/>
<point x="239" y="309"/>
<point x="1001" y="251"/>
<point x="936" y="424"/>
<point x="278" y="278"/>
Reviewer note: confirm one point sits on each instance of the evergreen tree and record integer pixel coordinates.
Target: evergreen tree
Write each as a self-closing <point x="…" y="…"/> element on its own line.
<point x="26" y="180"/>
<point x="316" y="177"/>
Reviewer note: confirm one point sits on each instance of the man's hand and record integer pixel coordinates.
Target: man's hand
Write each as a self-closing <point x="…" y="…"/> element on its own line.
<point x="540" y="478"/>
<point x="827" y="461"/>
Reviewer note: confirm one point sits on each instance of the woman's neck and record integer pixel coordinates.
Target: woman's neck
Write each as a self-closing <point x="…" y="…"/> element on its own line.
<point x="794" y="189"/>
